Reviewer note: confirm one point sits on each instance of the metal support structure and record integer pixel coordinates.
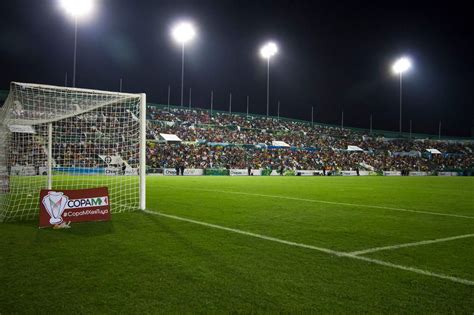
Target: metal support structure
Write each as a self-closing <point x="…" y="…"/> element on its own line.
<point x="190" y="97"/>
<point x="401" y="102"/>
<point x="120" y="85"/>
<point x="65" y="80"/>
<point x="268" y="86"/>
<point x="142" y="151"/>
<point x="278" y="111"/>
<point x="230" y="103"/>
<point x="439" y="130"/>
<point x="410" y="128"/>
<point x="169" y="96"/>
<point x="75" y="54"/>
<point x="50" y="156"/>
<point x="371" y="124"/>
<point x="212" y="101"/>
<point x="342" y="120"/>
<point x="182" y="74"/>
<point x="312" y="115"/>
<point x="247" y="106"/>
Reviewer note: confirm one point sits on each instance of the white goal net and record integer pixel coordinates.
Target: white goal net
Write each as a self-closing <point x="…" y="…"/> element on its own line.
<point x="68" y="138"/>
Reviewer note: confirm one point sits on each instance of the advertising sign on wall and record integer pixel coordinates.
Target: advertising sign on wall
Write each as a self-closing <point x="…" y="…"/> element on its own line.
<point x="58" y="206"/>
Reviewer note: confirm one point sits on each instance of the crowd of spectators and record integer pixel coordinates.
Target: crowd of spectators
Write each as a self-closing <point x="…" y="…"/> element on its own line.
<point x="239" y="141"/>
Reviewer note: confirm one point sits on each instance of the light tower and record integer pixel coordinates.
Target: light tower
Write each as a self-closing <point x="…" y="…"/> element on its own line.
<point x="77" y="9"/>
<point x="400" y="66"/>
<point x="267" y="51"/>
<point x="183" y="32"/>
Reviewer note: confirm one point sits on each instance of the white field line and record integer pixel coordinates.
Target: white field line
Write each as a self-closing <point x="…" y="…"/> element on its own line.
<point x="320" y="249"/>
<point x="439" y="240"/>
<point x="328" y="202"/>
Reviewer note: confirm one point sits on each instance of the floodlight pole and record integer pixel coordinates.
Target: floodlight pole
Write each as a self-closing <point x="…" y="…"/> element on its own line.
<point x="230" y="103"/>
<point x="75" y="53"/>
<point x="182" y="73"/>
<point x="169" y="96"/>
<point x="439" y="130"/>
<point x="190" y="97"/>
<point x="247" y="106"/>
<point x="278" y="111"/>
<point x="312" y="115"/>
<point x="120" y="85"/>
<point x="401" y="74"/>
<point x="342" y="120"/>
<point x="370" y="123"/>
<point x="268" y="85"/>
<point x="212" y="100"/>
<point x="410" y="128"/>
<point x="65" y="80"/>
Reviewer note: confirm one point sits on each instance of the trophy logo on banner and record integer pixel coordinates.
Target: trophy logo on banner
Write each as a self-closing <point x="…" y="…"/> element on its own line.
<point x="55" y="203"/>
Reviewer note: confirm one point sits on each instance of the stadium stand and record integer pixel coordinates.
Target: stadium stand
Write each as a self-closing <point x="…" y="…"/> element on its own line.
<point x="239" y="141"/>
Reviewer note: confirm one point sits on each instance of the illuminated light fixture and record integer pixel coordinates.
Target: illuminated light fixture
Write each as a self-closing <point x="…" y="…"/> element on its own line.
<point x="77" y="8"/>
<point x="268" y="50"/>
<point x="401" y="65"/>
<point x="183" y="32"/>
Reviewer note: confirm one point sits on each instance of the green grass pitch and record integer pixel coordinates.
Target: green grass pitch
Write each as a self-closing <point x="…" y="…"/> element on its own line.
<point x="147" y="263"/>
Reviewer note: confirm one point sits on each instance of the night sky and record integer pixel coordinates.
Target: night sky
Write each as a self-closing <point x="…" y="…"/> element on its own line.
<point x="332" y="55"/>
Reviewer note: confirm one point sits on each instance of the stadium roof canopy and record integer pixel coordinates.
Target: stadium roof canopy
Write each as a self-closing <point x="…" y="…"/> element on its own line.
<point x="354" y="148"/>
<point x="280" y="144"/>
<point x="170" y="137"/>
<point x="433" y="151"/>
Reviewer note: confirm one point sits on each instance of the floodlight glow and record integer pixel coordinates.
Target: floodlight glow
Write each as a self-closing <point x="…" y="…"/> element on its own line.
<point x="77" y="8"/>
<point x="183" y="32"/>
<point x="401" y="65"/>
<point x="268" y="50"/>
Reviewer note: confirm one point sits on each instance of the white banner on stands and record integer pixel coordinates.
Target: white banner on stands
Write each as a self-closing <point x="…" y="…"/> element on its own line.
<point x="354" y="173"/>
<point x="307" y="172"/>
<point x="187" y="172"/>
<point x="448" y="174"/>
<point x="238" y="172"/>
<point x="43" y="170"/>
<point x="392" y="173"/>
<point x="23" y="170"/>
<point x="244" y="172"/>
<point x="349" y="173"/>
<point x="115" y="171"/>
<point x="257" y="172"/>
<point x="418" y="174"/>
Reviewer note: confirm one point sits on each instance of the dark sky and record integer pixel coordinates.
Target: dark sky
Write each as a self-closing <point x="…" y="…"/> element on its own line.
<point x="333" y="55"/>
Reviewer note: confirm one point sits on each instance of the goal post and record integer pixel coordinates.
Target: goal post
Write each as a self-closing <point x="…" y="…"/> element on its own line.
<point x="69" y="138"/>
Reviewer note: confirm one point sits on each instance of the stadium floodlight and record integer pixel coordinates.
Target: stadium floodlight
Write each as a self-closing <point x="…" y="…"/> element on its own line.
<point x="267" y="51"/>
<point x="78" y="9"/>
<point x="400" y="66"/>
<point x="183" y="32"/>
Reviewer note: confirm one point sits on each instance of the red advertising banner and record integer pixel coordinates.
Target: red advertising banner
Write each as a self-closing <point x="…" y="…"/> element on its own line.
<point x="58" y="206"/>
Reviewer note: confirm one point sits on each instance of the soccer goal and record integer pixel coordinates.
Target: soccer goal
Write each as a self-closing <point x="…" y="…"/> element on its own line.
<point x="67" y="138"/>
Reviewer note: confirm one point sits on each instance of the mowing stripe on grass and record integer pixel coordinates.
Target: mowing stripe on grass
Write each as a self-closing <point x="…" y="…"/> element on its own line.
<point x="320" y="249"/>
<point x="327" y="202"/>
<point x="439" y="240"/>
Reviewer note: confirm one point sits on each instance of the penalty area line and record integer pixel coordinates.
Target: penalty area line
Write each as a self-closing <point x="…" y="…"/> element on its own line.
<point x="328" y="202"/>
<point x="316" y="248"/>
<point x="420" y="243"/>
